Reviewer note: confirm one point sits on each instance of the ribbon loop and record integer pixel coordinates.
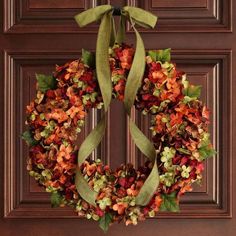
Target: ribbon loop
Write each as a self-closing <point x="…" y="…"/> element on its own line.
<point x="142" y="142"/>
<point x="102" y="59"/>
<point x="141" y="17"/>
<point x="91" y="15"/>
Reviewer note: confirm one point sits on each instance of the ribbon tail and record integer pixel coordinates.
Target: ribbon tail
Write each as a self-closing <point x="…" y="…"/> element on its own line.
<point x="149" y="187"/>
<point x="92" y="141"/>
<point x="84" y="189"/>
<point x="102" y="59"/>
<point x="95" y="137"/>
<point x="86" y="148"/>
<point x="143" y="143"/>
<point x="135" y="76"/>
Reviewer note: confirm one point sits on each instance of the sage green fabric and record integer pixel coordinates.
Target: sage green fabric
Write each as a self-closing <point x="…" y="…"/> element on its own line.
<point x="106" y="36"/>
<point x="92" y="15"/>
<point x="84" y="189"/>
<point x="120" y="37"/>
<point x="149" y="188"/>
<point x="133" y="83"/>
<point x="113" y="33"/>
<point x="102" y="59"/>
<point x="141" y="17"/>
<point x="104" y="80"/>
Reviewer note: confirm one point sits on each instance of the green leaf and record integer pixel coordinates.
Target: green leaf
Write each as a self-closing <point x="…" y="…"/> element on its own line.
<point x="46" y="82"/>
<point x="185" y="151"/>
<point x="27" y="136"/>
<point x="56" y="199"/>
<point x="187" y="99"/>
<point x="105" y="221"/>
<point x="160" y="55"/>
<point x="153" y="55"/>
<point x="192" y="91"/>
<point x="169" y="202"/>
<point x="206" y="151"/>
<point x="88" y="58"/>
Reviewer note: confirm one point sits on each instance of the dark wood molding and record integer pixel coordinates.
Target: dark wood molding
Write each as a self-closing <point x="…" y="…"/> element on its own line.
<point x="24" y="16"/>
<point x="21" y="17"/>
<point x="189" y="16"/>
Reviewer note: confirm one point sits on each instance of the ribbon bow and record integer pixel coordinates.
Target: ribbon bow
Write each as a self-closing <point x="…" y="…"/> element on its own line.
<point x="107" y="37"/>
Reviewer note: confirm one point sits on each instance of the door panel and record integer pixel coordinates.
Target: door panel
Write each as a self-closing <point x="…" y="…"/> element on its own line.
<point x="189" y="16"/>
<point x="35" y="36"/>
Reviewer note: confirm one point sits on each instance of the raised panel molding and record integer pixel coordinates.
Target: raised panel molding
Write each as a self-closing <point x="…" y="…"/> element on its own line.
<point x="212" y="70"/>
<point x="56" y="16"/>
<point x="32" y="16"/>
<point x="22" y="196"/>
<point x="55" y="4"/>
<point x="24" y="199"/>
<point x="179" y="3"/>
<point x="189" y="16"/>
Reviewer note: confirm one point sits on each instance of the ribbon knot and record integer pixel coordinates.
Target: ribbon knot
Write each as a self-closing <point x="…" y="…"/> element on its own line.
<point x="107" y="37"/>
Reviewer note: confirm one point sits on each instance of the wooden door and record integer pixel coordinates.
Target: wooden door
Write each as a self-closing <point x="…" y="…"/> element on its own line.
<point x="37" y="34"/>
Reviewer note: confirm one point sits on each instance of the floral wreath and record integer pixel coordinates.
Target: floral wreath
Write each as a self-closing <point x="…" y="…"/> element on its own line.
<point x="179" y="126"/>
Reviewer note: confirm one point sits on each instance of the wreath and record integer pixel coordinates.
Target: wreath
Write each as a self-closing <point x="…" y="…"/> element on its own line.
<point x="179" y="126"/>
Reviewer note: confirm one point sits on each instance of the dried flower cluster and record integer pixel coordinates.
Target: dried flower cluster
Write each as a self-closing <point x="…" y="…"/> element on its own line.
<point x="179" y="124"/>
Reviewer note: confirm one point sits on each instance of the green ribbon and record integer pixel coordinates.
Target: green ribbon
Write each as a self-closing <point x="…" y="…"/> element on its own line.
<point x="106" y="36"/>
<point x="103" y="75"/>
<point x="134" y="80"/>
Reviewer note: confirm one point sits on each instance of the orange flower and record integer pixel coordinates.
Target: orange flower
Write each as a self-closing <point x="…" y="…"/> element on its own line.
<point x="182" y="108"/>
<point x="74" y="110"/>
<point x="90" y="169"/>
<point x="40" y="157"/>
<point x="132" y="191"/>
<point x="73" y="66"/>
<point x="70" y="92"/>
<point x="64" y="152"/>
<point x="175" y="119"/>
<point x="120" y="88"/>
<point x="158" y="201"/>
<point x="158" y="76"/>
<point x="160" y="126"/>
<point x="49" y="139"/>
<point x="191" y="144"/>
<point x="128" y="222"/>
<point x="195" y="119"/>
<point x="185" y="187"/>
<point x="57" y="114"/>
<point x="170" y="83"/>
<point x="120" y="207"/>
<point x="54" y="184"/>
<point x="62" y="179"/>
<point x="205" y="112"/>
<point x="30" y="108"/>
<point x="74" y="98"/>
<point x="126" y="58"/>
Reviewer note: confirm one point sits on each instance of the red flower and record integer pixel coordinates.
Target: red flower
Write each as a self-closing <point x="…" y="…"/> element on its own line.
<point x="99" y="212"/>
